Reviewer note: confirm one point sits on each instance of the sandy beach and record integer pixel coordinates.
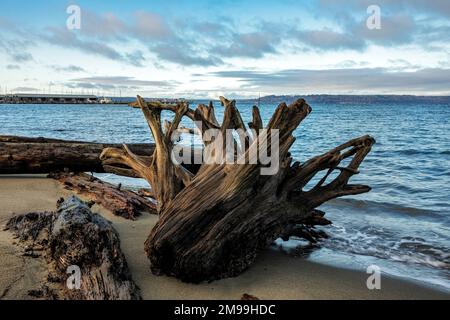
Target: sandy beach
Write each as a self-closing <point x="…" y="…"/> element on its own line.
<point x="273" y="276"/>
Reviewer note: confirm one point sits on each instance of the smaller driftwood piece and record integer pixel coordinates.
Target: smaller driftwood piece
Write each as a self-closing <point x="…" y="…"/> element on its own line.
<point x="82" y="251"/>
<point x="118" y="200"/>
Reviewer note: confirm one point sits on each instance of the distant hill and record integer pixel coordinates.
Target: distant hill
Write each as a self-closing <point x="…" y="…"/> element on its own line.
<point x="321" y="98"/>
<point x="363" y="99"/>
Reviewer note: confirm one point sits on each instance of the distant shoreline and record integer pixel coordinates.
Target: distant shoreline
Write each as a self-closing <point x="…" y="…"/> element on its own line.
<point x="62" y="99"/>
<point x="330" y="98"/>
<point x="271" y="99"/>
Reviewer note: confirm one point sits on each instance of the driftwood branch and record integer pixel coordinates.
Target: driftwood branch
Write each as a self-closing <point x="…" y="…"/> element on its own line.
<point x="163" y="175"/>
<point x="357" y="149"/>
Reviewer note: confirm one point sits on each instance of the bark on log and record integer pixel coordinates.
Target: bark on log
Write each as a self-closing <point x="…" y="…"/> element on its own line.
<point x="23" y="155"/>
<point x="74" y="236"/>
<point x="121" y="202"/>
<point x="213" y="223"/>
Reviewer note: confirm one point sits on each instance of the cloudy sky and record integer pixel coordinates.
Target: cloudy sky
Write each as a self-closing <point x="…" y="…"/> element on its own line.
<point x="239" y="48"/>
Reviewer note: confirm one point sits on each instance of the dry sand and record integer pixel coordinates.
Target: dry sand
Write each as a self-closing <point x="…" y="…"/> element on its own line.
<point x="273" y="276"/>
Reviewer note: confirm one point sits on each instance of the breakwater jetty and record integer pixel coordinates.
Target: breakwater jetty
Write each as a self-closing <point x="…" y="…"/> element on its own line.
<point x="31" y="98"/>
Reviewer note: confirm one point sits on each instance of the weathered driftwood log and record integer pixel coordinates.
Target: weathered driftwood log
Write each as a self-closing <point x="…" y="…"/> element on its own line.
<point x="213" y="223"/>
<point x="119" y="201"/>
<point x="23" y="155"/>
<point x="19" y="155"/>
<point x="73" y="238"/>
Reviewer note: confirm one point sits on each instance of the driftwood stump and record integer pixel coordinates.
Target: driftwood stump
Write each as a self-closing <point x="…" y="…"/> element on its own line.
<point x="213" y="223"/>
<point x="74" y="237"/>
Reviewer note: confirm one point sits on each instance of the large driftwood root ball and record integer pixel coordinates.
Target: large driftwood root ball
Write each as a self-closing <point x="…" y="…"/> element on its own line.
<point x="214" y="222"/>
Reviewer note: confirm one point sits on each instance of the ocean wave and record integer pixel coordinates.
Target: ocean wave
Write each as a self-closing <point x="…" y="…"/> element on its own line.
<point x="382" y="244"/>
<point x="385" y="206"/>
<point x="61" y="130"/>
<point x="424" y="258"/>
<point x="410" y="152"/>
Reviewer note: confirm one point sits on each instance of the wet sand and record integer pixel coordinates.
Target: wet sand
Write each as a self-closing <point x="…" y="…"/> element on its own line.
<point x="273" y="276"/>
